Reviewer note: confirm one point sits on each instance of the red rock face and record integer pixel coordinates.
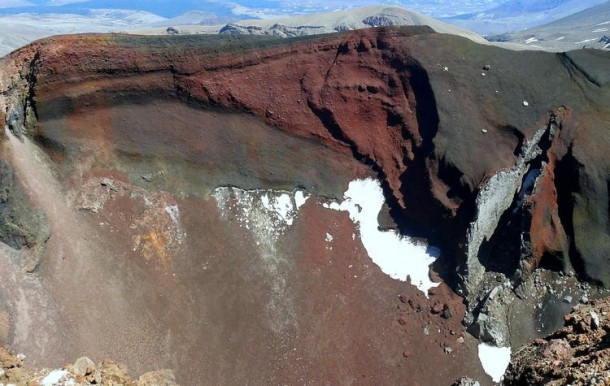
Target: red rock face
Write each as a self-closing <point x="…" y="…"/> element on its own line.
<point x="547" y="235"/>
<point x="353" y="94"/>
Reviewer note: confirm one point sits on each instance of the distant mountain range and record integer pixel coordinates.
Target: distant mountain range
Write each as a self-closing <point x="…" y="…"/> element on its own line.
<point x="22" y="28"/>
<point x="23" y="21"/>
<point x="586" y="29"/>
<point x="516" y="15"/>
<point x="323" y="23"/>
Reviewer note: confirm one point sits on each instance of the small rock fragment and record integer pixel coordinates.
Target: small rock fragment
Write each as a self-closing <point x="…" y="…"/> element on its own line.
<point x="446" y="313"/>
<point x="594" y="320"/>
<point x="526" y="103"/>
<point x="158" y="378"/>
<point x="437" y="308"/>
<point x="487" y="67"/>
<point x="466" y="382"/>
<point x="484" y="131"/>
<point x="567" y="299"/>
<point x="84" y="366"/>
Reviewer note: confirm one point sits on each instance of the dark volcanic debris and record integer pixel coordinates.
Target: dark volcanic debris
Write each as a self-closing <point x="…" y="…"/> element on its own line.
<point x="575" y="354"/>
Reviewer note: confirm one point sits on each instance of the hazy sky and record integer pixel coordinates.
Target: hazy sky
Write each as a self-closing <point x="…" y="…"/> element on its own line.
<point x="245" y="8"/>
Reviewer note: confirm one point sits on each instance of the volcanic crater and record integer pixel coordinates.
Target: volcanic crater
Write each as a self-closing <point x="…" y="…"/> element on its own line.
<point x="167" y="202"/>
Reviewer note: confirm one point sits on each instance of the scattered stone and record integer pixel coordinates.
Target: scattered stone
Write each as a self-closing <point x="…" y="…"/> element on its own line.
<point x="437" y="308"/>
<point x="576" y="354"/>
<point x="594" y="320"/>
<point x="487" y="67"/>
<point x="84" y="366"/>
<point x="584" y="299"/>
<point x="402" y="298"/>
<point x="10" y="362"/>
<point x="427" y="330"/>
<point x="567" y="299"/>
<point x="526" y="103"/>
<point x="411" y="303"/>
<point x="556" y="349"/>
<point x="406" y="354"/>
<point x="483" y="74"/>
<point x="460" y="340"/>
<point x="448" y="350"/>
<point x="113" y="371"/>
<point x="466" y="382"/>
<point x="446" y="313"/>
<point x="402" y="321"/>
<point x="158" y="378"/>
<point x="484" y="131"/>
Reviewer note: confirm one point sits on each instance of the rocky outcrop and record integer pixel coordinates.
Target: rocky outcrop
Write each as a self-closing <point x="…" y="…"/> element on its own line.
<point x="83" y="372"/>
<point x="21" y="225"/>
<point x="516" y="211"/>
<point x="278" y="30"/>
<point x="378" y="21"/>
<point x="576" y="354"/>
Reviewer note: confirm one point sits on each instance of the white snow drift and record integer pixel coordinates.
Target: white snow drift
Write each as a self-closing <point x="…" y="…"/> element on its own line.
<point x="398" y="256"/>
<point x="495" y="360"/>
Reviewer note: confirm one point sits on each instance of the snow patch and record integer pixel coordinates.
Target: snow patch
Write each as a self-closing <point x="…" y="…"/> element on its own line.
<point x="398" y="257"/>
<point x="586" y="41"/>
<point x="495" y="360"/>
<point x="600" y="30"/>
<point x="56" y="377"/>
<point x="267" y="213"/>
<point x="300" y="199"/>
<point x="531" y="40"/>
<point x="560" y="38"/>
